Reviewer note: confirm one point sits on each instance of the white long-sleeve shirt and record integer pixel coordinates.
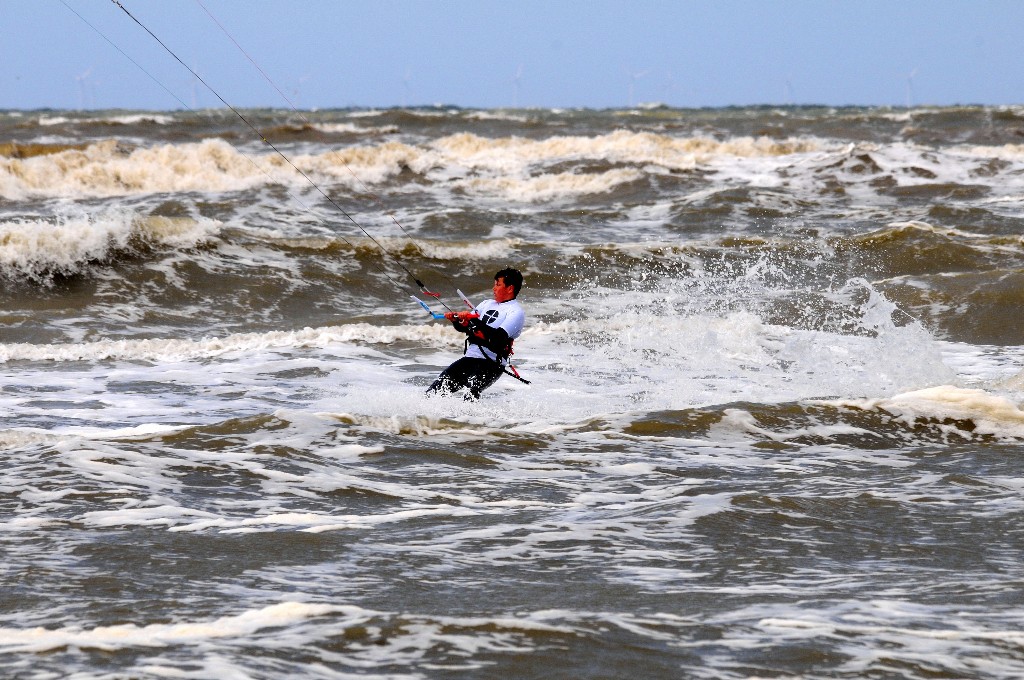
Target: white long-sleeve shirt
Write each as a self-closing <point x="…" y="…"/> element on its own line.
<point x="507" y="315"/>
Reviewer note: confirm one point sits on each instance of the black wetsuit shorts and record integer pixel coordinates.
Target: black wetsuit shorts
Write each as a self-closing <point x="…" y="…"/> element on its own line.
<point x="470" y="372"/>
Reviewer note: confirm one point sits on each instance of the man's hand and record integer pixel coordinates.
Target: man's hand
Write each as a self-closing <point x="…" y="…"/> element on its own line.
<point x="461" y="317"/>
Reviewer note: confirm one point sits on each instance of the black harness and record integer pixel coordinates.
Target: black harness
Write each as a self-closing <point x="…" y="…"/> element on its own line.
<point x="501" y="354"/>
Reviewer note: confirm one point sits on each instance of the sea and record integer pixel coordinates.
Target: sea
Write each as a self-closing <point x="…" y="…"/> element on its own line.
<point x="772" y="427"/>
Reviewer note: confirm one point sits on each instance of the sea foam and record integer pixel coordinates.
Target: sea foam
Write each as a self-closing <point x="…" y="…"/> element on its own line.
<point x="38" y="248"/>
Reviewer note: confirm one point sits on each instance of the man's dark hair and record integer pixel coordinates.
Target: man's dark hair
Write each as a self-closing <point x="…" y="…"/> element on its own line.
<point x="511" y="277"/>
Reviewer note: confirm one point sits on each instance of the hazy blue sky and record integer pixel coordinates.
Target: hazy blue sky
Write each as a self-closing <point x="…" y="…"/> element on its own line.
<point x="528" y="53"/>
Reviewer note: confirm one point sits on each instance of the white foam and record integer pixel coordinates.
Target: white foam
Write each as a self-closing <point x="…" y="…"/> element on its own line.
<point x="38" y="248"/>
<point x="671" y="152"/>
<point x="171" y="350"/>
<point x="548" y="187"/>
<point x="352" y="128"/>
<point x="990" y="414"/>
<point x="503" y="165"/>
<point x="127" y="636"/>
<point x="103" y="169"/>
<point x="516" y="169"/>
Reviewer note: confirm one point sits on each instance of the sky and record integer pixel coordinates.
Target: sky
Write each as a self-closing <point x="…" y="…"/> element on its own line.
<point x="90" y="54"/>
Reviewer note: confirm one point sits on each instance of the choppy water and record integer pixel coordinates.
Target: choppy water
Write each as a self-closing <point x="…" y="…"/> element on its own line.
<point x="774" y="427"/>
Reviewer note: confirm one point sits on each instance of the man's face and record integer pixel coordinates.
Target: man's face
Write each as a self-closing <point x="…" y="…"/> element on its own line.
<point x="503" y="293"/>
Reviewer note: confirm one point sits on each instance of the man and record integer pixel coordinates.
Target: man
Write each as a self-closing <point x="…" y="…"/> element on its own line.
<point x="490" y="330"/>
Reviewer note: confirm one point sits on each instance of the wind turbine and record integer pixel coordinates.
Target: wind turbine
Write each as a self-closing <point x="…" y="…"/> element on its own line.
<point x="194" y="80"/>
<point x="516" y="79"/>
<point x="910" y="88"/>
<point x="81" y="80"/>
<point x="297" y="91"/>
<point x="670" y="86"/>
<point x="407" y="89"/>
<point x="633" y="76"/>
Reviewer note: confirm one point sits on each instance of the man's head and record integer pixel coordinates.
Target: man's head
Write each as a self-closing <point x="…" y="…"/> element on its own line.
<point x="505" y="279"/>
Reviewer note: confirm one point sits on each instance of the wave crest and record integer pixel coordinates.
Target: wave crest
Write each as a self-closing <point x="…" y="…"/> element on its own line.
<point x="164" y="349"/>
<point x="38" y="249"/>
<point x="109" y="168"/>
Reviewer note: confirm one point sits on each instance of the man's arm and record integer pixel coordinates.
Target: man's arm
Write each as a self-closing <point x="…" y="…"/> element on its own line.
<point x="494" y="339"/>
<point x="460" y="320"/>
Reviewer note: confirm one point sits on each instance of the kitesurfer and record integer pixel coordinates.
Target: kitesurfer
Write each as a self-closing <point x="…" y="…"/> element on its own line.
<point x="490" y="330"/>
